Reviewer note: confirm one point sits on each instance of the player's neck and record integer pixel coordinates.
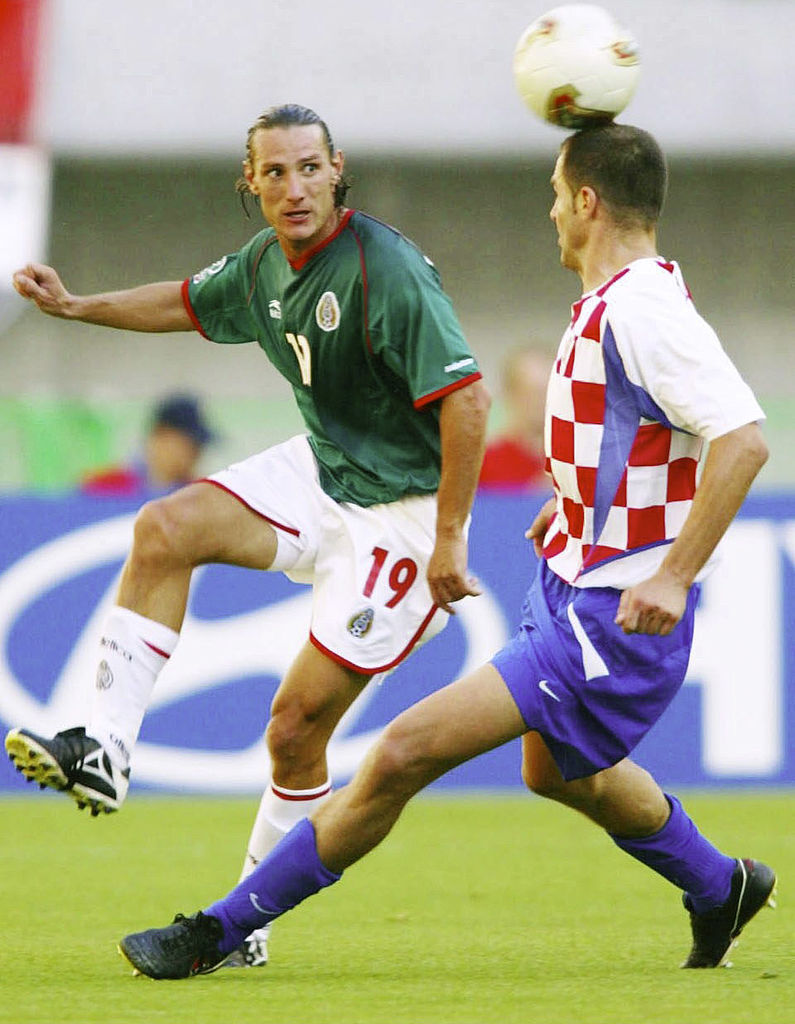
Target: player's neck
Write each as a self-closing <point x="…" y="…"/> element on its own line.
<point x="611" y="251"/>
<point x="299" y="250"/>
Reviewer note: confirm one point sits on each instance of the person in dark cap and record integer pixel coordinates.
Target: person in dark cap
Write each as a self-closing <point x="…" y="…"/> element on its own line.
<point x="178" y="433"/>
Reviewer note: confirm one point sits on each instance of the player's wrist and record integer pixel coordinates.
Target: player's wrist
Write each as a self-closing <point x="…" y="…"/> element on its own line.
<point x="679" y="575"/>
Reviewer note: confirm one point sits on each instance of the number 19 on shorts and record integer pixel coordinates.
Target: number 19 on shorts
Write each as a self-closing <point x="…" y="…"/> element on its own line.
<point x="402" y="574"/>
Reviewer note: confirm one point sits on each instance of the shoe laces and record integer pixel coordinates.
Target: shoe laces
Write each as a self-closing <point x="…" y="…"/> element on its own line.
<point x="188" y="932"/>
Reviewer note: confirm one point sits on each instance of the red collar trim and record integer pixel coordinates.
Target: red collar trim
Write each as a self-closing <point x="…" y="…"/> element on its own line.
<point x="304" y="258"/>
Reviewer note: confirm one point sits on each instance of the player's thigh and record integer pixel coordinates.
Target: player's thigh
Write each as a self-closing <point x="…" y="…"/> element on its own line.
<point x="207" y="524"/>
<point x="462" y="720"/>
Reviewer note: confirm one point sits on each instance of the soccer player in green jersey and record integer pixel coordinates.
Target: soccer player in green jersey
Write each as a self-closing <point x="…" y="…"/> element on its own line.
<point x="371" y="506"/>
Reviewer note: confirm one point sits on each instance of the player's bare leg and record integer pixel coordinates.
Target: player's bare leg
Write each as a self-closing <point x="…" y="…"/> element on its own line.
<point x="195" y="525"/>
<point x="721" y="893"/>
<point x="624" y="800"/>
<point x="467" y="718"/>
<point x="446" y="728"/>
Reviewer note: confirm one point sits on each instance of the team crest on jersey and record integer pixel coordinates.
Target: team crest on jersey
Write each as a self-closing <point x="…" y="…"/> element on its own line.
<point x="327" y="312"/>
<point x="361" y="622"/>
<point x="214" y="268"/>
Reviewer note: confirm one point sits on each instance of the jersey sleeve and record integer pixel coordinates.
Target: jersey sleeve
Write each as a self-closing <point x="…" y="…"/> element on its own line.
<point x="675" y="357"/>
<point x="413" y="327"/>
<point x="217" y="300"/>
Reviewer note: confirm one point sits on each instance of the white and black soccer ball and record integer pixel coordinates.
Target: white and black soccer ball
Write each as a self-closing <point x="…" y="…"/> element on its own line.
<point x="576" y="66"/>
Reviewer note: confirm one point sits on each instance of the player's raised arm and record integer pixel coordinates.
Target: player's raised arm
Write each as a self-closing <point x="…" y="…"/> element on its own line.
<point x="150" y="307"/>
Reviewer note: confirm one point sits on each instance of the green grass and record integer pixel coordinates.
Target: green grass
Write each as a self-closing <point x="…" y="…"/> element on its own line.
<point x="479" y="909"/>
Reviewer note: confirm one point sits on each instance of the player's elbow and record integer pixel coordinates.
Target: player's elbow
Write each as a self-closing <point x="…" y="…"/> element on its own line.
<point x="759" y="451"/>
<point x="751" y="448"/>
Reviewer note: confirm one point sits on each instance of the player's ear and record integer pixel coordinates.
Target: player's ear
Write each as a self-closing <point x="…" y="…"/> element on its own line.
<point x="588" y="200"/>
<point x="338" y="162"/>
<point x="248" y="174"/>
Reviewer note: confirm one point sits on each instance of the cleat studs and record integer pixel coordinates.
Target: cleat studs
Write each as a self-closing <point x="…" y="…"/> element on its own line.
<point x="42" y="785"/>
<point x="94" y="811"/>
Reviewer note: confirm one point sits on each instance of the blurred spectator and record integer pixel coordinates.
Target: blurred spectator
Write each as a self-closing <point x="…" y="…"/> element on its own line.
<point x="176" y="437"/>
<point x="515" y="460"/>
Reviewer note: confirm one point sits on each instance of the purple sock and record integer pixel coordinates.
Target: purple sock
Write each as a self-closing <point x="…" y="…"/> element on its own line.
<point x="681" y="854"/>
<point x="290" y="872"/>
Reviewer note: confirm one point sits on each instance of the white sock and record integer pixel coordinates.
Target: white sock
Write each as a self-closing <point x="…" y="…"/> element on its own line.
<point x="279" y="810"/>
<point x="133" y="650"/>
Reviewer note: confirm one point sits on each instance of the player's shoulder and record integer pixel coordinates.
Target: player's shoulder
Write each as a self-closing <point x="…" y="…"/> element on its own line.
<point x="258" y="245"/>
<point x="243" y="260"/>
<point x="388" y="243"/>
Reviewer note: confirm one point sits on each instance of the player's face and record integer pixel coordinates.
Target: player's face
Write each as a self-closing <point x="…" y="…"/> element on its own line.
<point x="565" y="218"/>
<point x="293" y="176"/>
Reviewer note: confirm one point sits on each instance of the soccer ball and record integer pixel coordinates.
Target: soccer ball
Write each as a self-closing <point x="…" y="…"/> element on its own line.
<point x="576" y="66"/>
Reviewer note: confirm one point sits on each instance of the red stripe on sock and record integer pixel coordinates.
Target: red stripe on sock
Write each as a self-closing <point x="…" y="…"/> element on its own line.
<point x="299" y="796"/>
<point x="157" y="650"/>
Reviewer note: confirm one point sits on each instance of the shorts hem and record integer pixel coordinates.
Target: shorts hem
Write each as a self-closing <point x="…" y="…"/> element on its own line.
<point x="273" y="522"/>
<point x="376" y="670"/>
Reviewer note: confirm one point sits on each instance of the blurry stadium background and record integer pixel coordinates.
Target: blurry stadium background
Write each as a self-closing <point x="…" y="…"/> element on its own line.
<point x="121" y="134"/>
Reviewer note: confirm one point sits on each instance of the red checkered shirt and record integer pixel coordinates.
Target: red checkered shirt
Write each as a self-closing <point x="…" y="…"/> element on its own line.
<point x="639" y="383"/>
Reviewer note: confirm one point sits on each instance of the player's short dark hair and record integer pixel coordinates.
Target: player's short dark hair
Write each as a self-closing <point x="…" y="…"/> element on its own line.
<point x="282" y="117"/>
<point x="624" y="165"/>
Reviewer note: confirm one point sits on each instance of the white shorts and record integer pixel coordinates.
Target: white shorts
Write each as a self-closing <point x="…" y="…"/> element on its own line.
<point x="371" y="601"/>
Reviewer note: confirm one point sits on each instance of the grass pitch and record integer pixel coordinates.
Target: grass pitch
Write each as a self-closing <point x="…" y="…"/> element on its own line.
<point x="478" y="909"/>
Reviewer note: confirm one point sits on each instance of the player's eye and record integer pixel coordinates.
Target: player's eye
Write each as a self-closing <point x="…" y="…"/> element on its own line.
<point x="310" y="168"/>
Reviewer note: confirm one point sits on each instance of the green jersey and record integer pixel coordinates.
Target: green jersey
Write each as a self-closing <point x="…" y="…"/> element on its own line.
<point x="362" y="330"/>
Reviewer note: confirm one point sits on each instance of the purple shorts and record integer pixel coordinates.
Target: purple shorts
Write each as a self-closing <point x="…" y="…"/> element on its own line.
<point x="589" y="689"/>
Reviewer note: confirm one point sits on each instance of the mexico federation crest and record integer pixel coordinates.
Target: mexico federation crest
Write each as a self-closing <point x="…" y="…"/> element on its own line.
<point x="104" y="676"/>
<point x="327" y="312"/>
<point x="361" y="622"/>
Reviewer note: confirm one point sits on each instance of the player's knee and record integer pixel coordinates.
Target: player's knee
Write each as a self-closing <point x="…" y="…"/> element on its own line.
<point x="543" y="783"/>
<point x="398" y="763"/>
<point x="292" y="737"/>
<point x="157" y="536"/>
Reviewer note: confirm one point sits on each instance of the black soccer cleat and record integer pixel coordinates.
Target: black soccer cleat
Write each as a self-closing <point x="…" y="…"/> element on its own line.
<point x="715" y="931"/>
<point x="184" y="948"/>
<point x="70" y="762"/>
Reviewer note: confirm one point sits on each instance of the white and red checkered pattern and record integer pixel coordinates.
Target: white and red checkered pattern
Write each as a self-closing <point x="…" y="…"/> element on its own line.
<point x="624" y="479"/>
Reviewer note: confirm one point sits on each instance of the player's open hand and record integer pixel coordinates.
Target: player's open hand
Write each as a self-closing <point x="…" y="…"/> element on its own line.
<point x="653" y="606"/>
<point x="539" y="526"/>
<point x="41" y="285"/>
<point x="447" y="573"/>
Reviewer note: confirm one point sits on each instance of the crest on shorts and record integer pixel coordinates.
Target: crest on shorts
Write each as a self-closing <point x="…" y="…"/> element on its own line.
<point x="327" y="312"/>
<point x="360" y="624"/>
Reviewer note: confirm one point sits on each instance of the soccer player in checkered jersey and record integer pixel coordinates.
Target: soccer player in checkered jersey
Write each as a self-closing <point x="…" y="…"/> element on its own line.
<point x="371" y="506"/>
<point x="639" y="385"/>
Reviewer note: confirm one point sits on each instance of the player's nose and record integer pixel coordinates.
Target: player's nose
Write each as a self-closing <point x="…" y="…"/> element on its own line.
<point x="294" y="185"/>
